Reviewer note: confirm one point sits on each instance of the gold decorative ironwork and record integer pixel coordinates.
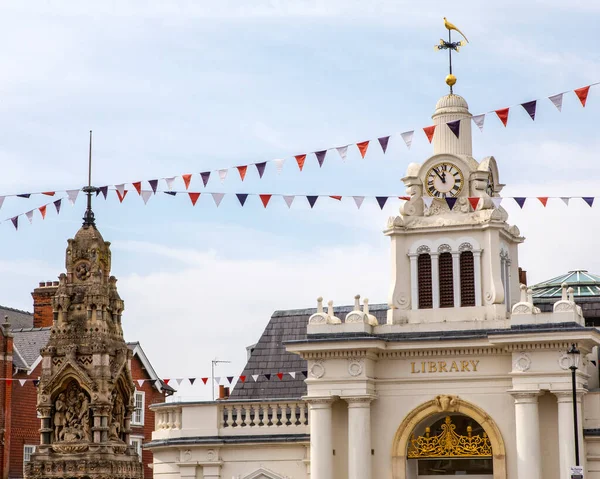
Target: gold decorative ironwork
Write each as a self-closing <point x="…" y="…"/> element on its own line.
<point x="449" y="443"/>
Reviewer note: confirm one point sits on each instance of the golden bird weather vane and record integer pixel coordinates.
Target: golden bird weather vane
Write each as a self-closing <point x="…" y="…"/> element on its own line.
<point x="450" y="46"/>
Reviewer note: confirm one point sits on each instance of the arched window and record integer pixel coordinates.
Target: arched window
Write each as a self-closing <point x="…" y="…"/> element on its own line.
<point x="424" y="281"/>
<point x="446" y="280"/>
<point x="467" y="279"/>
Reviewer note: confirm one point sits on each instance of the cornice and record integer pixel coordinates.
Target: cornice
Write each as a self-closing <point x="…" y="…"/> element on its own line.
<point x="458" y="351"/>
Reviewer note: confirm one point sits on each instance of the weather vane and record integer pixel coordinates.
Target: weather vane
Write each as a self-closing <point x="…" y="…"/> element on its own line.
<point x="450" y="45"/>
<point x="88" y="217"/>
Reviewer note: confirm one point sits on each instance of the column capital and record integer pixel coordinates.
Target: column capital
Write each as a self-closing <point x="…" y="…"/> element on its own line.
<point x="566" y="395"/>
<point x="324" y="402"/>
<point x="359" y="401"/>
<point x="526" y="397"/>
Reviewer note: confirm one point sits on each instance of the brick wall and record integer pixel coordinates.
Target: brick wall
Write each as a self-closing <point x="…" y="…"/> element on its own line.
<point x="42" y="304"/>
<point x="5" y="400"/>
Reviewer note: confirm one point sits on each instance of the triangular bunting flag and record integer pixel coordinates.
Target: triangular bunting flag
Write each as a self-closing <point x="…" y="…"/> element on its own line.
<point x="588" y="199"/>
<point x="383" y="141"/>
<point x="15" y="222"/>
<point x="530" y="108"/>
<point x="479" y="120"/>
<point x="22" y="382"/>
<point x="122" y="196"/>
<point x="300" y="159"/>
<point x="288" y="200"/>
<point x="279" y="164"/>
<point x="29" y="216"/>
<point x="146" y="195"/>
<point x="217" y="380"/>
<point x="454" y="127"/>
<point x="50" y="193"/>
<point x="359" y="201"/>
<point x="242" y="198"/>
<point x="260" y="167"/>
<point x="36" y="382"/>
<point x="171" y="193"/>
<point x="557" y="100"/>
<point x="186" y="180"/>
<point x="321" y="157"/>
<point x="169" y="182"/>
<point x="204" y="380"/>
<point x="565" y="200"/>
<point x="218" y="197"/>
<point x="1" y="201"/>
<point x="223" y="174"/>
<point x="305" y="373"/>
<point x="312" y="200"/>
<point x="57" y="204"/>
<point x="362" y="147"/>
<point x="242" y="171"/>
<point x="268" y="376"/>
<point x="243" y="379"/>
<point x="265" y="199"/>
<point x="255" y="377"/>
<point x="336" y="197"/>
<point x="104" y="191"/>
<point x="428" y="200"/>
<point x="503" y="115"/>
<point x="293" y="374"/>
<point x="429" y="131"/>
<point x="120" y="189"/>
<point x="343" y="151"/>
<point x="24" y="195"/>
<point x="166" y="381"/>
<point x="280" y="376"/>
<point x="474" y="202"/>
<point x="543" y="200"/>
<point x="153" y="184"/>
<point x="520" y="201"/>
<point x="405" y="198"/>
<point x="192" y="381"/>
<point x="72" y="194"/>
<point x="178" y="380"/>
<point x="194" y="197"/>
<point x="43" y="211"/>
<point x="407" y="136"/>
<point x="451" y="202"/>
<point x="582" y="94"/>
<point x="138" y="187"/>
<point x="230" y="379"/>
<point x="140" y="382"/>
<point x="497" y="200"/>
<point x="381" y="200"/>
<point x="205" y="177"/>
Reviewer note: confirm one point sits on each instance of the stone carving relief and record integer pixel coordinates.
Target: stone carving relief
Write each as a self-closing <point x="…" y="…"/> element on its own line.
<point x="117" y="417"/>
<point x="444" y="248"/>
<point x="317" y="369"/>
<point x="564" y="361"/>
<point x="523" y="362"/>
<point x="355" y="366"/>
<point x="72" y="416"/>
<point x="447" y="403"/>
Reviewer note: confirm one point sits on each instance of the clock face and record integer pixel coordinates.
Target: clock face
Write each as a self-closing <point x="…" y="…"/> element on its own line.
<point x="489" y="189"/>
<point x="444" y="180"/>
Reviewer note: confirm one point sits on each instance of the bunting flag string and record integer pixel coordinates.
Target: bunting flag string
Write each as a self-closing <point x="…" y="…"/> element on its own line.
<point x="530" y="107"/>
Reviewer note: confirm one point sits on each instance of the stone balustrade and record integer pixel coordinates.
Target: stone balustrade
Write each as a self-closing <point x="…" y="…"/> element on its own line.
<point x="254" y="416"/>
<point x="168" y="417"/>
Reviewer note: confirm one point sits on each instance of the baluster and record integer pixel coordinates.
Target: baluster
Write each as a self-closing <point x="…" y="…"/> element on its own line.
<point x="303" y="414"/>
<point x="238" y="415"/>
<point x="229" y="415"/>
<point x="168" y="414"/>
<point x="271" y="417"/>
<point x="178" y="419"/>
<point x="293" y="414"/>
<point x="279" y="414"/>
<point x="159" y="420"/>
<point x="252" y="415"/>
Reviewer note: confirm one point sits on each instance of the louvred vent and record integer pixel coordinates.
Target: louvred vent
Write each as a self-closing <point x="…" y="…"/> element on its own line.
<point x="425" y="292"/>
<point x="446" y="281"/>
<point x="467" y="279"/>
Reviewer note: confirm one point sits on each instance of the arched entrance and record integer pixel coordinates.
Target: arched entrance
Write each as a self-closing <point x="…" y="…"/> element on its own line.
<point x="411" y="440"/>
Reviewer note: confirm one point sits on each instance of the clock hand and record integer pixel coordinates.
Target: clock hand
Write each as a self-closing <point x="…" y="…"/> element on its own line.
<point x="440" y="176"/>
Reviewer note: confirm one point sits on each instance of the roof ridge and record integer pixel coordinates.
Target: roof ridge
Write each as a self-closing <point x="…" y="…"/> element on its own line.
<point x="7" y="308"/>
<point x="27" y="330"/>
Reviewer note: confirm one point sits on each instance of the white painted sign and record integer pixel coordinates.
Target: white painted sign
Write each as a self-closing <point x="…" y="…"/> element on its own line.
<point x="576" y="472"/>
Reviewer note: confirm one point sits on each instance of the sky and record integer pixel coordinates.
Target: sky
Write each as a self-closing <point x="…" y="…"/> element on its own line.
<point x="178" y="87"/>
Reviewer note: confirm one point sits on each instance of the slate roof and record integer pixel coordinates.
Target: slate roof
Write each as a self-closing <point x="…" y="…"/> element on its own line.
<point x="27" y="344"/>
<point x="18" y="319"/>
<point x="270" y="357"/>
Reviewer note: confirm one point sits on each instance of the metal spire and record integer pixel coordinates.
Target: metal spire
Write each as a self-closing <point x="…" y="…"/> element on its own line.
<point x="88" y="217"/>
<point x="450" y="45"/>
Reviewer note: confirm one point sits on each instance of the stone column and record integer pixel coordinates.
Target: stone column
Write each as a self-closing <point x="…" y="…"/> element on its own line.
<point x="414" y="282"/>
<point x="435" y="279"/>
<point x="321" y="438"/>
<point x="566" y="442"/>
<point x="456" y="278"/>
<point x="477" y="271"/>
<point x="527" y="423"/>
<point x="359" y="437"/>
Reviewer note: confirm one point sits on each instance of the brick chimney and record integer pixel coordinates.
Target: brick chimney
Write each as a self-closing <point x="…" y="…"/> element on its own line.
<point x="42" y="304"/>
<point x="522" y="276"/>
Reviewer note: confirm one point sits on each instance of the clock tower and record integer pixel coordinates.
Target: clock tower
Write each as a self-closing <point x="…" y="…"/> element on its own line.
<point x="454" y="256"/>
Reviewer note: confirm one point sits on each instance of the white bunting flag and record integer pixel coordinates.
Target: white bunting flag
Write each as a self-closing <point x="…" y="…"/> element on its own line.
<point x="407" y="136"/>
<point x="218" y="380"/>
<point x="29" y="215"/>
<point x="293" y="374"/>
<point x="478" y="120"/>
<point x="169" y="182"/>
<point x="428" y="200"/>
<point x="22" y="382"/>
<point x="1" y="201"/>
<point x="223" y="174"/>
<point x="179" y="381"/>
<point x="72" y="194"/>
<point x="288" y="200"/>
<point x="557" y="100"/>
<point x="279" y="164"/>
<point x="120" y="189"/>
<point x="497" y="200"/>
<point x="255" y="377"/>
<point x="343" y="151"/>
<point x="146" y="196"/>
<point x="218" y="197"/>
<point x="359" y="201"/>
<point x="565" y="200"/>
<point x="140" y="382"/>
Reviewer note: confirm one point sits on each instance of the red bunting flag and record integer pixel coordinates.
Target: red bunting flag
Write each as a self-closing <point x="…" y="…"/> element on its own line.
<point x="429" y="130"/>
<point x="300" y="159"/>
<point x="186" y="180"/>
<point x="204" y="380"/>
<point x="582" y="94"/>
<point x="503" y="115"/>
<point x="121" y="196"/>
<point x="405" y="198"/>
<point x="243" y="379"/>
<point x="339" y="198"/>
<point x="194" y="197"/>
<point x="474" y="202"/>
<point x="543" y="200"/>
<point x="166" y="381"/>
<point x="49" y="193"/>
<point x="138" y="187"/>
<point x="280" y="376"/>
<point x="242" y="171"/>
<point x="43" y="211"/>
<point x="362" y="147"/>
<point x="266" y="198"/>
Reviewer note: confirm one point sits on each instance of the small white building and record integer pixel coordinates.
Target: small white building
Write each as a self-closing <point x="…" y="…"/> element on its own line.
<point x="459" y="374"/>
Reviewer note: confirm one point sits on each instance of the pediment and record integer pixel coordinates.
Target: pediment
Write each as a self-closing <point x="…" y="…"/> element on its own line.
<point x="264" y="474"/>
<point x="69" y="368"/>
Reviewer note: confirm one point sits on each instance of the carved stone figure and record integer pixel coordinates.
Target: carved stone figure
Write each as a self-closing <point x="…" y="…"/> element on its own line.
<point x="59" y="416"/>
<point x="446" y="403"/>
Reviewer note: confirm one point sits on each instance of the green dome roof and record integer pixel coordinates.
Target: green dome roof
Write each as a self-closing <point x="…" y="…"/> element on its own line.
<point x="584" y="284"/>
